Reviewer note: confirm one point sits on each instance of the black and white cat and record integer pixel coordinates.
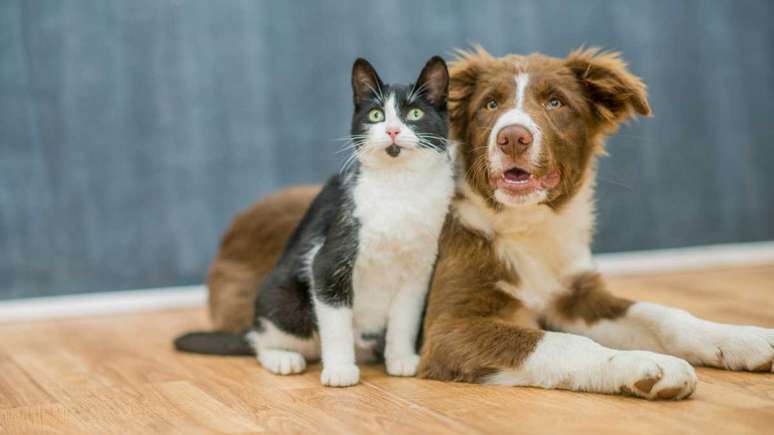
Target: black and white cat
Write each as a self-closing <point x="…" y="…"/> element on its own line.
<point x="351" y="283"/>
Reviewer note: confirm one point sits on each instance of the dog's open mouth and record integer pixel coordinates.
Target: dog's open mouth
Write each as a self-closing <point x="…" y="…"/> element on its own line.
<point x="517" y="176"/>
<point x="519" y="181"/>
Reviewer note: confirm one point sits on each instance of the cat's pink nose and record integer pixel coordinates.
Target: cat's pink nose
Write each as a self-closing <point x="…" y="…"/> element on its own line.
<point x="392" y="132"/>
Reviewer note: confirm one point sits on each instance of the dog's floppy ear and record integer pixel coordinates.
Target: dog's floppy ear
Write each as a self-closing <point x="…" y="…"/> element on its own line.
<point x="615" y="93"/>
<point x="464" y="72"/>
<point x="365" y="81"/>
<point x="433" y="82"/>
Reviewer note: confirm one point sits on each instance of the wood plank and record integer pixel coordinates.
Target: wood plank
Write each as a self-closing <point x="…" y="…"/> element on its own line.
<point x="119" y="374"/>
<point x="48" y="419"/>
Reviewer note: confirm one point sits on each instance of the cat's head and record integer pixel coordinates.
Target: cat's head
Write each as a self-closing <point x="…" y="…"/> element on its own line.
<point x="400" y="124"/>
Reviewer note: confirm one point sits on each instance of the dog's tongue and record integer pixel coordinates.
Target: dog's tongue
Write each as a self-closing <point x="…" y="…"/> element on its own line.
<point x="517" y="175"/>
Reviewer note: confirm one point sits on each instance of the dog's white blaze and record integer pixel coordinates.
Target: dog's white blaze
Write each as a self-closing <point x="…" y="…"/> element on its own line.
<point x="516" y="116"/>
<point x="521" y="86"/>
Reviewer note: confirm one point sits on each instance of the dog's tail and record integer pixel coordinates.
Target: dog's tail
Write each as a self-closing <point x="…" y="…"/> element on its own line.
<point x="214" y="343"/>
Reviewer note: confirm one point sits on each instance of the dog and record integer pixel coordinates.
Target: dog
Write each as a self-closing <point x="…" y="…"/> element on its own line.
<point x="515" y="298"/>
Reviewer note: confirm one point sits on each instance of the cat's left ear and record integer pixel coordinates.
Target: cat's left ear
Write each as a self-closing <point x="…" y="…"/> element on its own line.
<point x="365" y="82"/>
<point x="433" y="82"/>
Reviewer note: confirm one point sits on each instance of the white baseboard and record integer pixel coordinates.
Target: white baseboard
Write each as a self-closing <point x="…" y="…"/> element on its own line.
<point x="126" y="301"/>
<point x="692" y="258"/>
<point x="665" y="260"/>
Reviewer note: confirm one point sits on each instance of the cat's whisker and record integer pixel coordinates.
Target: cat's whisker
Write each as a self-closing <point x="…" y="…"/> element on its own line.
<point x="349" y="138"/>
<point x="351" y="145"/>
<point x="350" y="160"/>
<point x="431" y="145"/>
<point x="347" y="148"/>
<point x="433" y="137"/>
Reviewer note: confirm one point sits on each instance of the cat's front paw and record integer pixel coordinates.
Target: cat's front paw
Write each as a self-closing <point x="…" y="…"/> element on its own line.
<point x="402" y="366"/>
<point x="343" y="375"/>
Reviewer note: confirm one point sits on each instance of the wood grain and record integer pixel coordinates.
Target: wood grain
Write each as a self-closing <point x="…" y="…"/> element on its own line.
<point x="119" y="374"/>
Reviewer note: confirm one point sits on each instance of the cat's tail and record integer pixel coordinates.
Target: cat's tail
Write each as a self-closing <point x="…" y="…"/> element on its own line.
<point x="214" y="343"/>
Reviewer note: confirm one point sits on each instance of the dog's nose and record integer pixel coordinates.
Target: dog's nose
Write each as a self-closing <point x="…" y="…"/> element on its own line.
<point x="514" y="140"/>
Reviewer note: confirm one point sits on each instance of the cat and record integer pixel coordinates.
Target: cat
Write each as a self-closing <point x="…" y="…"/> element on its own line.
<point x="352" y="281"/>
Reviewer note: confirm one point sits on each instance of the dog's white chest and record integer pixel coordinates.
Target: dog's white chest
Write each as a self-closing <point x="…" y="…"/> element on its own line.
<point x="542" y="246"/>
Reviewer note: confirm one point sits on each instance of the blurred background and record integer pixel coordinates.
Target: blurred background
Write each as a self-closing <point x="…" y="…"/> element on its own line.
<point x="131" y="132"/>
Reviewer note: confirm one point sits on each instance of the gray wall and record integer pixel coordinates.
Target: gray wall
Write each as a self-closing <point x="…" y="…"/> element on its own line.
<point x="131" y="131"/>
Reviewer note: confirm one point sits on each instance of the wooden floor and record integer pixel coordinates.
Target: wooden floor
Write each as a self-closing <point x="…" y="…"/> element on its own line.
<point x="119" y="374"/>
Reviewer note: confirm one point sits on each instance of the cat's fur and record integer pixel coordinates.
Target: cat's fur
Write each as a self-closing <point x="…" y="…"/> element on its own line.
<point x="355" y="273"/>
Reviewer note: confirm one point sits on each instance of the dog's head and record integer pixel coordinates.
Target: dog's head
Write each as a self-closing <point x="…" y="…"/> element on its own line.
<point x="531" y="125"/>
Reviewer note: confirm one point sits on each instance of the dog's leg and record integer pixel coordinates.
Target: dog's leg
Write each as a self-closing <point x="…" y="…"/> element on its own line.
<point x="495" y="352"/>
<point x="588" y="309"/>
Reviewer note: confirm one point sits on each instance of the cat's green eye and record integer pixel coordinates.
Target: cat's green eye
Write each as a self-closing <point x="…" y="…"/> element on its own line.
<point x="415" y="115"/>
<point x="376" y="115"/>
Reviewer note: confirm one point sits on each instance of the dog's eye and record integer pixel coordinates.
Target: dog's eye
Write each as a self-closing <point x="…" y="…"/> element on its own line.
<point x="553" y="103"/>
<point x="491" y="105"/>
<point x="376" y="115"/>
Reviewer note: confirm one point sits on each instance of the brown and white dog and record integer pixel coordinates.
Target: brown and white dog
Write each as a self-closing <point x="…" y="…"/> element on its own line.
<point x="515" y="298"/>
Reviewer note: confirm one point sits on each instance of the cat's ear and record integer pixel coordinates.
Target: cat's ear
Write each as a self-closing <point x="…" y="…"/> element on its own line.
<point x="365" y="82"/>
<point x="433" y="82"/>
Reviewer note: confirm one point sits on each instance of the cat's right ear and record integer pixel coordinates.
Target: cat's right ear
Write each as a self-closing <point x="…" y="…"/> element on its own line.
<point x="365" y="82"/>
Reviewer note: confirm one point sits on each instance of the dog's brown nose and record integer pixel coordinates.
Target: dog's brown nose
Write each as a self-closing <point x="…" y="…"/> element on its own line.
<point x="514" y="140"/>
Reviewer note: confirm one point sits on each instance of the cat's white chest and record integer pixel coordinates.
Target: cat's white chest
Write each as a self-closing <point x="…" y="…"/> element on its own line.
<point x="401" y="215"/>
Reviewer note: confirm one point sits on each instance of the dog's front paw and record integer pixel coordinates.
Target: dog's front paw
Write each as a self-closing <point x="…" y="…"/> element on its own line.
<point x="732" y="347"/>
<point x="402" y="366"/>
<point x="340" y="375"/>
<point x="653" y="376"/>
<point x="743" y="347"/>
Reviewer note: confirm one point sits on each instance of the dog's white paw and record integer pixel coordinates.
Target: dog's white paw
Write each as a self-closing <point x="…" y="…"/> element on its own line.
<point x="652" y="375"/>
<point x="281" y="362"/>
<point x="340" y="375"/>
<point x="732" y="347"/>
<point x="402" y="366"/>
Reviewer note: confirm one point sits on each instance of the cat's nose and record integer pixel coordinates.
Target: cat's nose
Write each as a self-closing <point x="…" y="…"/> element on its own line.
<point x="393" y="132"/>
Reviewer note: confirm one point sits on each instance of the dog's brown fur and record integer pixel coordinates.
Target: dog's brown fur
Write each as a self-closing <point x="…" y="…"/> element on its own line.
<point x="589" y="300"/>
<point x="248" y="252"/>
<point x="467" y="312"/>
